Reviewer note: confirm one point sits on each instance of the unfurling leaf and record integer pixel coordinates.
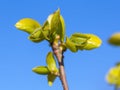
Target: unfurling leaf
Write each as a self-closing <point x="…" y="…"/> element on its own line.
<point x="27" y="25"/>
<point x="51" y="64"/>
<point x="40" y="34"/>
<point x="56" y="25"/>
<point x="43" y="70"/>
<point x="115" y="39"/>
<point x="46" y="31"/>
<point x="45" y="26"/>
<point x="113" y="76"/>
<point x="93" y="42"/>
<point x="37" y="36"/>
<point x="79" y="41"/>
<point x="71" y="45"/>
<point x="51" y="78"/>
<point x="55" y="22"/>
<point x="62" y="32"/>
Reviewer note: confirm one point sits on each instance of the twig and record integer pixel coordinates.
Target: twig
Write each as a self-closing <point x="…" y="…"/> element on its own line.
<point x="59" y="55"/>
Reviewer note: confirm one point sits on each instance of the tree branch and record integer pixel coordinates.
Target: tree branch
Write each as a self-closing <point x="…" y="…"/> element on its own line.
<point x="58" y="52"/>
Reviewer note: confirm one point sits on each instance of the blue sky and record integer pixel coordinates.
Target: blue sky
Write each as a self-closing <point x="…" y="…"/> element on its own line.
<point x="85" y="70"/>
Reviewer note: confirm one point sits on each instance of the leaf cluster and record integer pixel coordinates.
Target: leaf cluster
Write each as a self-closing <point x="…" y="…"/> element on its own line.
<point x="50" y="70"/>
<point x="53" y="31"/>
<point x="53" y="27"/>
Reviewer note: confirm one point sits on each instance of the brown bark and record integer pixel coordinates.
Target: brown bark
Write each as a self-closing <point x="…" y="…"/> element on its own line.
<point x="58" y="52"/>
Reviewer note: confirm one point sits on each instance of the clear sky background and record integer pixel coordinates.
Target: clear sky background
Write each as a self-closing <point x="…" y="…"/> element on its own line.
<point x="85" y="70"/>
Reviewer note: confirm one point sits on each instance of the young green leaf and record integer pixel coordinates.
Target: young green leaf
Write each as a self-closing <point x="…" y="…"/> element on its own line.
<point x="43" y="70"/>
<point x="93" y="42"/>
<point x="51" y="78"/>
<point x="79" y="39"/>
<point x="51" y="63"/>
<point x="46" y="31"/>
<point x="70" y="45"/>
<point x="80" y="35"/>
<point x="55" y="22"/>
<point x="27" y="25"/>
<point x="37" y="36"/>
<point x="46" y="26"/>
<point x="62" y="31"/>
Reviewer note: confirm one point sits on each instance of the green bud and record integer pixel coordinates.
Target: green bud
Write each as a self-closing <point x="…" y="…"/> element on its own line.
<point x="93" y="42"/>
<point x="62" y="47"/>
<point x="51" y="78"/>
<point x="115" y="39"/>
<point x="43" y="70"/>
<point x="56" y="25"/>
<point x="51" y="64"/>
<point x="54" y="21"/>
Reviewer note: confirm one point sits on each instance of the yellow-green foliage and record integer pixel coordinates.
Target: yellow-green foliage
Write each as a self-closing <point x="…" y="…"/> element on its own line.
<point x="79" y="41"/>
<point x="27" y="25"/>
<point x="113" y="76"/>
<point x="53" y="31"/>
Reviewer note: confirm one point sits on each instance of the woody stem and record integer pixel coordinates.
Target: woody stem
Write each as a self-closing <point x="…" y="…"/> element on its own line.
<point x="59" y="55"/>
